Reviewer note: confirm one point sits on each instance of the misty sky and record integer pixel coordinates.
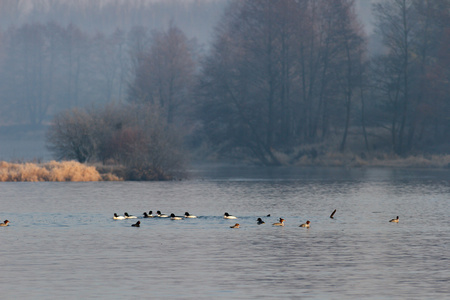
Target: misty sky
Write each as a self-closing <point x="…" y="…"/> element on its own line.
<point x="363" y="7"/>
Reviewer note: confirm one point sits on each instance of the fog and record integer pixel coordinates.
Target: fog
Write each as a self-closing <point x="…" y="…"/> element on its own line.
<point x="94" y="23"/>
<point x="330" y="77"/>
<point x="196" y="17"/>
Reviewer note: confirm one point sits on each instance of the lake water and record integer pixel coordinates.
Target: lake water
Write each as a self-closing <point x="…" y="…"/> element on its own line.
<point x="62" y="242"/>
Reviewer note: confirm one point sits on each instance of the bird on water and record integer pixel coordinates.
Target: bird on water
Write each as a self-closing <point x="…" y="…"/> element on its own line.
<point x="394" y="220"/>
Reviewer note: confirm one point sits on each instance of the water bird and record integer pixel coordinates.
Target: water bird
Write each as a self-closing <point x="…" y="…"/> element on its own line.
<point x="281" y="223"/>
<point x="332" y="214"/>
<point x="138" y="224"/>
<point x="160" y="215"/>
<point x="173" y="217"/>
<point x="5" y="223"/>
<point x="235" y="225"/>
<point x="148" y="215"/>
<point x="306" y="225"/>
<point x="268" y="215"/>
<point x="116" y="217"/>
<point x="394" y="220"/>
<point x="127" y="216"/>
<point x="260" y="221"/>
<point x="187" y="215"/>
<point x="228" y="216"/>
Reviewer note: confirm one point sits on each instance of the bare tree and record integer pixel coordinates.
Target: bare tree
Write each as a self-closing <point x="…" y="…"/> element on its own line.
<point x="396" y="19"/>
<point x="70" y="136"/>
<point x="279" y="73"/>
<point x="134" y="136"/>
<point x="165" y="74"/>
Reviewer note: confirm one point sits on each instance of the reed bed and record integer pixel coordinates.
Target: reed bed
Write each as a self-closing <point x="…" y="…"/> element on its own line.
<point x="52" y="171"/>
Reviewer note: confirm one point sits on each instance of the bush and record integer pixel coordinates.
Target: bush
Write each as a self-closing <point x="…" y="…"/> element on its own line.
<point x="134" y="136"/>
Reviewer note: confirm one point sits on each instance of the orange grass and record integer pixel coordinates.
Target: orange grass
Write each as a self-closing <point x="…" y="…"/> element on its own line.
<point x="52" y="171"/>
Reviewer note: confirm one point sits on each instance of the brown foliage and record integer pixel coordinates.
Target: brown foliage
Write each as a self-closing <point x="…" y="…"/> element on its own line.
<point x="134" y="136"/>
<point x="52" y="171"/>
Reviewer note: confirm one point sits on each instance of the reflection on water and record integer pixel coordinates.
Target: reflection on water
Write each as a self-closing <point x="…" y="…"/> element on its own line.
<point x="63" y="242"/>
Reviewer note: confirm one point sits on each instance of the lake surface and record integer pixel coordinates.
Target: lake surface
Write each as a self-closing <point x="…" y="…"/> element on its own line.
<point x="62" y="242"/>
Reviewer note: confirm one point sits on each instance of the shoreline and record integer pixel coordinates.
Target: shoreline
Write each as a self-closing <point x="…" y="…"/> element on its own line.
<point x="65" y="171"/>
<point x="346" y="160"/>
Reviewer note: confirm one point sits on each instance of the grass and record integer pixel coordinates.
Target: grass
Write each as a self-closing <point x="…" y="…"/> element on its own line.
<point x="52" y="171"/>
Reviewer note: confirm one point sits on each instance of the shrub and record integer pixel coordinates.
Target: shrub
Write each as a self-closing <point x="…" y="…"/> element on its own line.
<point x="134" y="136"/>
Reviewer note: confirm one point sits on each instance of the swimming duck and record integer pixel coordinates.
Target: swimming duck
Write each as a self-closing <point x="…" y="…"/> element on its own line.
<point x="235" y="225"/>
<point x="148" y="215"/>
<point x="259" y="221"/>
<point x="116" y="217"/>
<point x="138" y="224"/>
<point x="332" y="214"/>
<point x="227" y="216"/>
<point x="268" y="215"/>
<point x="127" y="216"/>
<point x="187" y="215"/>
<point x="394" y="220"/>
<point x="281" y="223"/>
<point x="306" y="225"/>
<point x="5" y="223"/>
<point x="173" y="217"/>
<point x="160" y="215"/>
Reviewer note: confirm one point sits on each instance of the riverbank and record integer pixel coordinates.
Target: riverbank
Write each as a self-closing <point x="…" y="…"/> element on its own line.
<point x="375" y="160"/>
<point x="313" y="158"/>
<point x="74" y="171"/>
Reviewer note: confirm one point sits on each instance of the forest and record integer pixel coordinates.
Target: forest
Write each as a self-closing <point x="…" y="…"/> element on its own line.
<point x="276" y="82"/>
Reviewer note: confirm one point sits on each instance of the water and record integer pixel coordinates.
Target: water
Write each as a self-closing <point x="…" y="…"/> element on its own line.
<point x="63" y="243"/>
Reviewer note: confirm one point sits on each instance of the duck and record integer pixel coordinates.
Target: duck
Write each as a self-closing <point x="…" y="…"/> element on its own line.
<point x="187" y="215"/>
<point x="332" y="214"/>
<point x="228" y="216"/>
<point x="138" y="224"/>
<point x="5" y="223"/>
<point x="260" y="221"/>
<point x="173" y="217"/>
<point x="235" y="225"/>
<point x="281" y="223"/>
<point x="268" y="215"/>
<point x="160" y="215"/>
<point x="306" y="225"/>
<point x="127" y="216"/>
<point x="148" y="215"/>
<point x="116" y="217"/>
<point x="394" y="220"/>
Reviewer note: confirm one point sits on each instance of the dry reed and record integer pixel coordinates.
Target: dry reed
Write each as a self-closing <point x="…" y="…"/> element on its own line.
<point x="52" y="171"/>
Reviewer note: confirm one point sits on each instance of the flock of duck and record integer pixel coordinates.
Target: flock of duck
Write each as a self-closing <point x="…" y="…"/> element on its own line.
<point x="226" y="215"/>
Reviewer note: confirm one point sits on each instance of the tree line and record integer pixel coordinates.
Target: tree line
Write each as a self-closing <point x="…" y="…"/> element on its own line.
<point x="287" y="73"/>
<point x="279" y="77"/>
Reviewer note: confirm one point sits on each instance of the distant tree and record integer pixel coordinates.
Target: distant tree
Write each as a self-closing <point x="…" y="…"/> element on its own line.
<point x="431" y="88"/>
<point x="165" y="73"/>
<point x="134" y="136"/>
<point x="70" y="136"/>
<point x="280" y="74"/>
<point x="244" y="76"/>
<point x="75" y="50"/>
<point x="138" y="44"/>
<point x="348" y="38"/>
<point x="44" y="71"/>
<point x="413" y="32"/>
<point x="110" y="65"/>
